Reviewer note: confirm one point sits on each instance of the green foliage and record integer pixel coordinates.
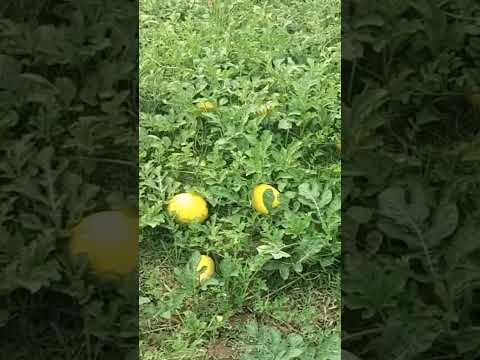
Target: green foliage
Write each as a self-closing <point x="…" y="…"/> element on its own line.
<point x="223" y="154"/>
<point x="272" y="69"/>
<point x="266" y="343"/>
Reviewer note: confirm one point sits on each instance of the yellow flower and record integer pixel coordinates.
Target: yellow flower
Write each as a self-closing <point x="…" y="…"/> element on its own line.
<point x="206" y="106"/>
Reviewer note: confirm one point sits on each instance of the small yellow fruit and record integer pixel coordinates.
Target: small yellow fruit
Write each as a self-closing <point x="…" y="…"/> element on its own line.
<point x="206" y="267"/>
<point x="109" y="239"/>
<point x="257" y="198"/>
<point x="188" y="207"/>
<point x="266" y="108"/>
<point x="205" y="106"/>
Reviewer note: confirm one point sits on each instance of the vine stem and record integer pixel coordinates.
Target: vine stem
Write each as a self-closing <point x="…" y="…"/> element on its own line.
<point x="107" y="160"/>
<point x="361" y="333"/>
<point x="425" y="248"/>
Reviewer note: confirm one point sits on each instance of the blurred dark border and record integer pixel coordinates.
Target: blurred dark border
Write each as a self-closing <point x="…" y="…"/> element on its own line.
<point x="410" y="179"/>
<point x="68" y="148"/>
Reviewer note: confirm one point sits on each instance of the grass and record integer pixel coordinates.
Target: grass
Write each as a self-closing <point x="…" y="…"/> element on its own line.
<point x="273" y="71"/>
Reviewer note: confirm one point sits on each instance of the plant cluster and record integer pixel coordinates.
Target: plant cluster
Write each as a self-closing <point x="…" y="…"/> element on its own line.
<point x="234" y="95"/>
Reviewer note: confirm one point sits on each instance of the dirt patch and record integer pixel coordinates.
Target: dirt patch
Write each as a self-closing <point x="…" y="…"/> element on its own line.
<point x="329" y="313"/>
<point x="221" y="350"/>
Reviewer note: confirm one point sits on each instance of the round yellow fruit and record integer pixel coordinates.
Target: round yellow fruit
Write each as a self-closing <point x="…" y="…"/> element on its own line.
<point x="205" y="106"/>
<point x="257" y="198"/>
<point x="188" y="207"/>
<point x="109" y="240"/>
<point x="205" y="267"/>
